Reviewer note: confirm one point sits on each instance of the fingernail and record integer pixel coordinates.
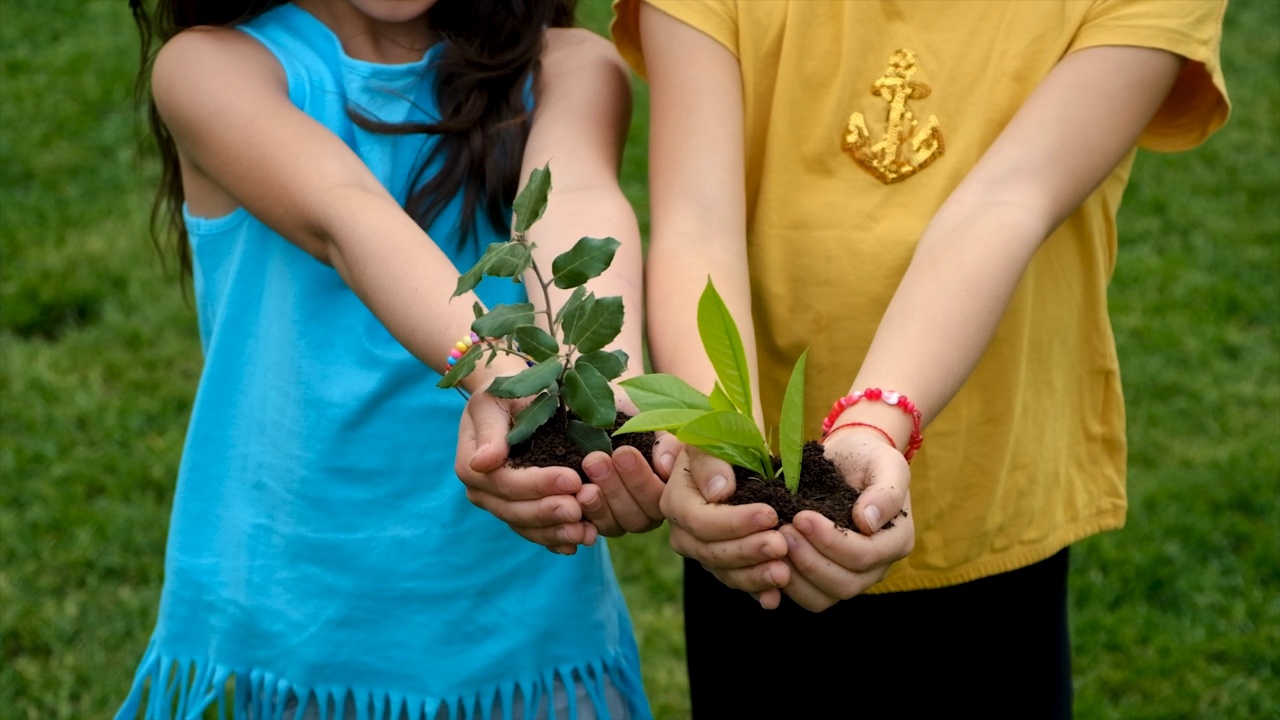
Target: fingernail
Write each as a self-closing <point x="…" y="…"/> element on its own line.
<point x="566" y="484"/>
<point x="626" y="461"/>
<point x="768" y="576"/>
<point x="596" y="469"/>
<point x="716" y="487"/>
<point x="665" y="461"/>
<point x="872" y="515"/>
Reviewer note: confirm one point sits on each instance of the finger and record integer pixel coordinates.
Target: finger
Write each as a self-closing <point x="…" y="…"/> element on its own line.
<point x="560" y="538"/>
<point x="757" y="549"/>
<point x="531" y="483"/>
<point x="684" y="505"/>
<point x="489" y="421"/>
<point x="595" y="509"/>
<point x="817" y="581"/>
<point x="769" y="599"/>
<point x="713" y="476"/>
<point x="625" y="511"/>
<point x="641" y="484"/>
<point x="879" y="471"/>
<point x="807" y="595"/>
<point x="545" y="512"/>
<point x="843" y="563"/>
<point x="757" y="579"/>
<point x="665" y="450"/>
<point x="883" y="500"/>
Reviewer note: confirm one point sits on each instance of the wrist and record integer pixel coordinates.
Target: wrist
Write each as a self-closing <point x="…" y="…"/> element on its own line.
<point x="888" y="414"/>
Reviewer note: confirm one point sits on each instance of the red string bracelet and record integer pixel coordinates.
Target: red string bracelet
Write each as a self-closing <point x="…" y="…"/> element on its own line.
<point x="888" y="397"/>
<point x="877" y="428"/>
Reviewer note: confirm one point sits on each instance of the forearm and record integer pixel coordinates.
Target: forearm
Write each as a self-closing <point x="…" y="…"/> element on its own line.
<point x="1060" y="146"/>
<point x="403" y="277"/>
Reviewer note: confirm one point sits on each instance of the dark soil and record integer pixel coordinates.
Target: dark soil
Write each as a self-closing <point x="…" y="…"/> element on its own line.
<point x="822" y="489"/>
<point x="550" y="446"/>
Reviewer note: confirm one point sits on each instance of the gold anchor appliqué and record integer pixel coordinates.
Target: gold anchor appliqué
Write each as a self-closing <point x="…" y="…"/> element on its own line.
<point x="906" y="147"/>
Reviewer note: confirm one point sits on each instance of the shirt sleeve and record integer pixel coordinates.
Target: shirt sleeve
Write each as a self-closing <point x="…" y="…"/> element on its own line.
<point x="717" y="18"/>
<point x="1197" y="106"/>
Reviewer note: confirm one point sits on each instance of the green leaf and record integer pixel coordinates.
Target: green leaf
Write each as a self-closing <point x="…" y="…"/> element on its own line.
<point x="589" y="396"/>
<point x="532" y="417"/>
<point x="734" y="455"/>
<point x="469" y="279"/>
<point x="594" y="323"/>
<point x="588" y="438"/>
<point x="723" y="344"/>
<point x="585" y="260"/>
<point x="511" y="259"/>
<point x="791" y="426"/>
<point x="657" y="391"/>
<point x="462" y="368"/>
<point x="477" y="309"/>
<point x="730" y="428"/>
<point x="720" y="401"/>
<point x="503" y="320"/>
<point x="527" y="382"/>
<point x="536" y="342"/>
<point x="609" y="363"/>
<point x="531" y="203"/>
<point x="671" y="419"/>
<point x="572" y="305"/>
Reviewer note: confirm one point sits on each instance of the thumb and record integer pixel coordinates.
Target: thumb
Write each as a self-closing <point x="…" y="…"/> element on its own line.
<point x="665" y="451"/>
<point x="712" y="476"/>
<point x="490" y="421"/>
<point x="884" y="496"/>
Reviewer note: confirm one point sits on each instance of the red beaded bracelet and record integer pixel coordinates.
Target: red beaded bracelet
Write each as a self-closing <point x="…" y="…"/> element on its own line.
<point x="888" y="397"/>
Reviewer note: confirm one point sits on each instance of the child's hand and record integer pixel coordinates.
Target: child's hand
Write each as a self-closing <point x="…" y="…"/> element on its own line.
<point x="624" y="493"/>
<point x="737" y="544"/>
<point x="537" y="503"/>
<point x="829" y="565"/>
<point x="626" y="488"/>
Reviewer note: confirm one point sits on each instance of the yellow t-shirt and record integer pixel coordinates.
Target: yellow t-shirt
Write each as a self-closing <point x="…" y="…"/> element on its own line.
<point x="1030" y="454"/>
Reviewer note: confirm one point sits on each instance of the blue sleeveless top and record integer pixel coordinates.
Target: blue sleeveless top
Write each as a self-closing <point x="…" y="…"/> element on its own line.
<point x="321" y="545"/>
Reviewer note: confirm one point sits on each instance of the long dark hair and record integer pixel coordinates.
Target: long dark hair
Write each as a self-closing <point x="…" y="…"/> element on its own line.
<point x="489" y="58"/>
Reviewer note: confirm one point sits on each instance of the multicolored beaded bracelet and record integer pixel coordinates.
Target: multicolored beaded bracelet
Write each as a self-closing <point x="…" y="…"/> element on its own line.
<point x="461" y="347"/>
<point x="888" y="397"/>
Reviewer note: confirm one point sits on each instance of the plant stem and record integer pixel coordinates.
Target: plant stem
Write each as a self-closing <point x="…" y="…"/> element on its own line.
<point x="546" y="297"/>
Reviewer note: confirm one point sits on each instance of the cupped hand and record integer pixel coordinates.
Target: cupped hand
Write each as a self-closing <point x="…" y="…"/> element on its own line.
<point x="736" y="543"/>
<point x="537" y="503"/>
<point x="624" y="494"/>
<point x="626" y="488"/>
<point x="827" y="564"/>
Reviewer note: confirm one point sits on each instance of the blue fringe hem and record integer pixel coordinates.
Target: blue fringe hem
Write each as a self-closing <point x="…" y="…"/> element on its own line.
<point x="185" y="689"/>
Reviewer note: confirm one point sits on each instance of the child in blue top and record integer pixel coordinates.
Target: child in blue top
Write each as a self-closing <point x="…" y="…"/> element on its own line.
<point x="323" y="559"/>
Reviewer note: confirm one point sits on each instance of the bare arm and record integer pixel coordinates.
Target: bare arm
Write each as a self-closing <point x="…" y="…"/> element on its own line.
<point x="1064" y="141"/>
<point x="579" y="127"/>
<point x="1069" y="135"/>
<point x="224" y="97"/>
<point x="698" y="202"/>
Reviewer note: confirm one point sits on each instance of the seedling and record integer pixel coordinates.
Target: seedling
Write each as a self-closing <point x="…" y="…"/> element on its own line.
<point x="568" y="368"/>
<point x="722" y="423"/>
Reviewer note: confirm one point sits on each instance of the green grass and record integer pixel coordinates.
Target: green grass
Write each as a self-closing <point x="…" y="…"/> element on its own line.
<point x="1176" y="616"/>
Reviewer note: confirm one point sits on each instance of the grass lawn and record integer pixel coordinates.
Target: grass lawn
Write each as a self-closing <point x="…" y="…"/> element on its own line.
<point x="1176" y="616"/>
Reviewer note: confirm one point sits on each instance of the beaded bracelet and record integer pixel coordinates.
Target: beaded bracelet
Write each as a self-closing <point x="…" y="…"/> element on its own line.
<point x="888" y="397"/>
<point x="461" y="347"/>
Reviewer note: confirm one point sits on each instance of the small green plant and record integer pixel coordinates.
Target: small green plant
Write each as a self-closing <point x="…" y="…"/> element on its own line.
<point x="568" y="368"/>
<point x="722" y="423"/>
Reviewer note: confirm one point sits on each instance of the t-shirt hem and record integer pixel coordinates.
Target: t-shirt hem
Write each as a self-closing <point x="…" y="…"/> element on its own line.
<point x="1014" y="559"/>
